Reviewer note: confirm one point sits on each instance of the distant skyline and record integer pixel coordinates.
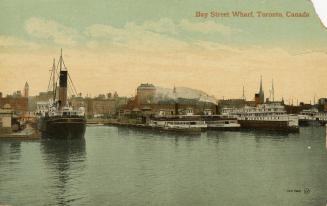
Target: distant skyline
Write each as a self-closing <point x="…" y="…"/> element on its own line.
<point x="116" y="45"/>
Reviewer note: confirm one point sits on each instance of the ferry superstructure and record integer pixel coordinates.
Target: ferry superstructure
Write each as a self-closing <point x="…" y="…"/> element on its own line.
<point x="312" y="117"/>
<point x="178" y="123"/>
<point x="269" y="116"/>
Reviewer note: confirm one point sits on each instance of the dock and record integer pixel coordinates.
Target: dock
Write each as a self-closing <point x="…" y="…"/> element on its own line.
<point x="27" y="134"/>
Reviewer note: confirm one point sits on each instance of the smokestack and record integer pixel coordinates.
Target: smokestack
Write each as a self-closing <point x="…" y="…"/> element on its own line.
<point x="217" y="109"/>
<point x="62" y="88"/>
<point x="176" y="108"/>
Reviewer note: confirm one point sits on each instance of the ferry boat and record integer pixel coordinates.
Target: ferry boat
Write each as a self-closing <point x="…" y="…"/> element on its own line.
<point x="221" y="122"/>
<point x="178" y="123"/>
<point x="56" y="118"/>
<point x="312" y="117"/>
<point x="271" y="116"/>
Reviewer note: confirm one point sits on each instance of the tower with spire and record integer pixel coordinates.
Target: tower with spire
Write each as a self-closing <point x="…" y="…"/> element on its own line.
<point x="260" y="96"/>
<point x="26" y="89"/>
<point x="261" y="93"/>
<point x="272" y="90"/>
<point x="243" y="95"/>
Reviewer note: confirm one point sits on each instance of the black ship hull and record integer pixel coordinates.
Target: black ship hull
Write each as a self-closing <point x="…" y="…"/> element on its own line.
<point x="311" y="122"/>
<point x="281" y="126"/>
<point x="62" y="127"/>
<point x="224" y="128"/>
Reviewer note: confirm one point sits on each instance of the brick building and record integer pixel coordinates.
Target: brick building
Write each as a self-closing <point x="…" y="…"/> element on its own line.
<point x="101" y="106"/>
<point x="145" y="93"/>
<point x="179" y="106"/>
<point x="17" y="102"/>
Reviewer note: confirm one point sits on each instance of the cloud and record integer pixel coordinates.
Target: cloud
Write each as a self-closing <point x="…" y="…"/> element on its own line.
<point x="163" y="25"/>
<point x="206" y="27"/>
<point x="13" y="42"/>
<point x="49" y="29"/>
<point x="131" y="36"/>
<point x="149" y="35"/>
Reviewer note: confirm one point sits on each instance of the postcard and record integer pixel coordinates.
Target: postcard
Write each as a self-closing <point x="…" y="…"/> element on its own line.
<point x="144" y="102"/>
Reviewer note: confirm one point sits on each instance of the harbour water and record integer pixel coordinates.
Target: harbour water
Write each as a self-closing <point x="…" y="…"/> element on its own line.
<point x="123" y="166"/>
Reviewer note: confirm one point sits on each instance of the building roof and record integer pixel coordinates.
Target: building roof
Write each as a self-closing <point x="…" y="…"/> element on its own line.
<point x="146" y="85"/>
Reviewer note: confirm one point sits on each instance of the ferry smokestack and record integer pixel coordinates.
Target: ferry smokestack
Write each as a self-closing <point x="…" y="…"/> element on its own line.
<point x="176" y="108"/>
<point x="62" y="88"/>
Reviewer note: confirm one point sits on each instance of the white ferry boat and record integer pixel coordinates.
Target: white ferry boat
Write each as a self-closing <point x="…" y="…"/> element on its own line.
<point x="312" y="117"/>
<point x="270" y="116"/>
<point x="221" y="122"/>
<point x="178" y="123"/>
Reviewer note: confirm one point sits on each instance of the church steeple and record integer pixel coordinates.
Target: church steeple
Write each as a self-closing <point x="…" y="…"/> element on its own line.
<point x="243" y="95"/>
<point x="261" y="92"/>
<point x="272" y="90"/>
<point x="26" y="90"/>
<point x="261" y="84"/>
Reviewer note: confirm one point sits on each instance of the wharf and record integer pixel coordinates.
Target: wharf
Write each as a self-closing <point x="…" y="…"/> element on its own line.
<point x="28" y="133"/>
<point x="125" y="124"/>
<point x="146" y="127"/>
<point x="115" y="122"/>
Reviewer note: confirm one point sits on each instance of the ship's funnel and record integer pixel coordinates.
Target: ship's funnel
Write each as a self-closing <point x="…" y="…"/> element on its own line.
<point x="62" y="88"/>
<point x="176" y="109"/>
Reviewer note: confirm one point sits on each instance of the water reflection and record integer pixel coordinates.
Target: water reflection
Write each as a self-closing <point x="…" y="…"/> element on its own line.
<point x="148" y="133"/>
<point x="10" y="151"/>
<point x="65" y="161"/>
<point x="261" y="136"/>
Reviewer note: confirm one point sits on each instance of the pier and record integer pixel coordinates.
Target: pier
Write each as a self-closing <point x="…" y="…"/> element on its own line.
<point x="29" y="133"/>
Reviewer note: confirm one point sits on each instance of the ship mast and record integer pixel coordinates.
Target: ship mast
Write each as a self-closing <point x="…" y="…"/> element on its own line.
<point x="60" y="59"/>
<point x="54" y="79"/>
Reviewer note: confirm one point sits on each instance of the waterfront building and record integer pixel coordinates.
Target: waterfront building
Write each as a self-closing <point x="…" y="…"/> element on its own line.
<point x="145" y="93"/>
<point x="17" y="102"/>
<point x="5" y="119"/>
<point x="322" y="104"/>
<point x="167" y="107"/>
<point x="234" y="103"/>
<point x="41" y="97"/>
<point x="103" y="106"/>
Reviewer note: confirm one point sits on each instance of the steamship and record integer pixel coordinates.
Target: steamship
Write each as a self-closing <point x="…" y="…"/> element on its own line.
<point x="179" y="123"/>
<point x="270" y="116"/>
<point x="56" y="118"/>
<point x="312" y="117"/>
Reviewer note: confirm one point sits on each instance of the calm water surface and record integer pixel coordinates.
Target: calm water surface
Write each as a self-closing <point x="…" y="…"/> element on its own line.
<point x="121" y="166"/>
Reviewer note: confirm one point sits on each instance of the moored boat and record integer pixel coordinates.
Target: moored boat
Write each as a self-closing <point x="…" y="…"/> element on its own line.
<point x="221" y="122"/>
<point x="56" y="118"/>
<point x="178" y="123"/>
<point x="312" y="117"/>
<point x="270" y="116"/>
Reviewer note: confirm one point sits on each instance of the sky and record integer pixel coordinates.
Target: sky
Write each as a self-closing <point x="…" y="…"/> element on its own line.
<point x="111" y="45"/>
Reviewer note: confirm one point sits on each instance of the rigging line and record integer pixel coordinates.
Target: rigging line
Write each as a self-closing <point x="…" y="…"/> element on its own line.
<point x="72" y="83"/>
<point x="55" y="91"/>
<point x="49" y="81"/>
<point x="70" y="87"/>
<point x="58" y="74"/>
